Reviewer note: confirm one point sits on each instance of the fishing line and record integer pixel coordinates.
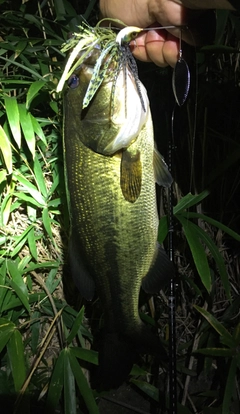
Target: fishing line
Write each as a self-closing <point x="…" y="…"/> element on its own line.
<point x="180" y="86"/>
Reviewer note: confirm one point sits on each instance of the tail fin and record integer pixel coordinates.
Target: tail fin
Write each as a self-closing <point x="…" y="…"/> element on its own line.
<point x="116" y="358"/>
<point x="118" y="353"/>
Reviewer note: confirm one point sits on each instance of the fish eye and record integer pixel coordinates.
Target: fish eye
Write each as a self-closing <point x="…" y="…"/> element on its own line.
<point x="73" y="81"/>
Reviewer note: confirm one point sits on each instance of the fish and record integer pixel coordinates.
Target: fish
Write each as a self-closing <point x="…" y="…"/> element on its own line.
<point x="112" y="166"/>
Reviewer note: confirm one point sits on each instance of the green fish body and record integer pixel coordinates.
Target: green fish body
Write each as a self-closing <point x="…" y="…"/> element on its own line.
<point x="111" y="170"/>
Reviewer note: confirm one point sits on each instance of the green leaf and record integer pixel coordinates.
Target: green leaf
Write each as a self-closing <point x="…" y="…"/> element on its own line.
<point x="236" y="334"/>
<point x="6" y="330"/>
<point x="76" y="325"/>
<point x="18" y="284"/>
<point x="230" y="386"/>
<point x="47" y="221"/>
<point x="39" y="177"/>
<point x="5" y="209"/>
<point x="83" y="386"/>
<point x="214" y="223"/>
<point x="15" y="351"/>
<point x="87" y="355"/>
<point x="6" y="150"/>
<point x="197" y="250"/>
<point x="33" y="91"/>
<point x="221" y="352"/>
<point x="147" y="388"/>
<point x="56" y="385"/>
<point x="30" y="188"/>
<point x="32" y="244"/>
<point x="70" y="405"/>
<point x="189" y="200"/>
<point x="226" y="337"/>
<point x="217" y="257"/>
<point x="27" y="128"/>
<point x="38" y="129"/>
<point x="13" y="118"/>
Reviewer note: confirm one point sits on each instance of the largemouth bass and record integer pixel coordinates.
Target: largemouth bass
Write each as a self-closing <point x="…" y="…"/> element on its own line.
<point x="112" y="166"/>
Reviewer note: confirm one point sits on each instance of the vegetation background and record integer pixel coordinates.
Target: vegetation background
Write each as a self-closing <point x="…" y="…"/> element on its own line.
<point x="44" y="341"/>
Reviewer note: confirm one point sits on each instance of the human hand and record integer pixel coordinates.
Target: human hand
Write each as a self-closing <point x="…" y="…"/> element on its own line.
<point x="162" y="46"/>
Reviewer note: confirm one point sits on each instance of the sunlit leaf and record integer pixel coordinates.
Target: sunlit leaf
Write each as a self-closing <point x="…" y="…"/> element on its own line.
<point x="27" y="128"/>
<point x="6" y="150"/>
<point x="13" y="118"/>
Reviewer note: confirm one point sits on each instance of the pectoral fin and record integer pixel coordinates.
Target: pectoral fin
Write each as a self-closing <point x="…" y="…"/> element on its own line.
<point x="162" y="175"/>
<point x="80" y="274"/>
<point x="131" y="175"/>
<point x="160" y="273"/>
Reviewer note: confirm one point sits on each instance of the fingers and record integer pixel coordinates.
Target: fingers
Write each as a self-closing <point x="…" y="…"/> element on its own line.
<point x="157" y="46"/>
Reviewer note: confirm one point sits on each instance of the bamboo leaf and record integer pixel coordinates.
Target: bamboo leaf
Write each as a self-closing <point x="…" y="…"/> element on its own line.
<point x="47" y="221"/>
<point x="13" y="118"/>
<point x="32" y="244"/>
<point x="30" y="188"/>
<point x="39" y="177"/>
<point x="83" y="386"/>
<point x="197" y="250"/>
<point x="33" y="91"/>
<point x="15" y="351"/>
<point x="226" y="337"/>
<point x="87" y="355"/>
<point x="6" y="150"/>
<point x="230" y="386"/>
<point x="56" y="385"/>
<point x="76" y="325"/>
<point x="189" y="200"/>
<point x="147" y="388"/>
<point x="6" y="330"/>
<point x="214" y="223"/>
<point x="38" y="129"/>
<point x="221" y="352"/>
<point x="27" y="128"/>
<point x="70" y="405"/>
<point x="218" y="259"/>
